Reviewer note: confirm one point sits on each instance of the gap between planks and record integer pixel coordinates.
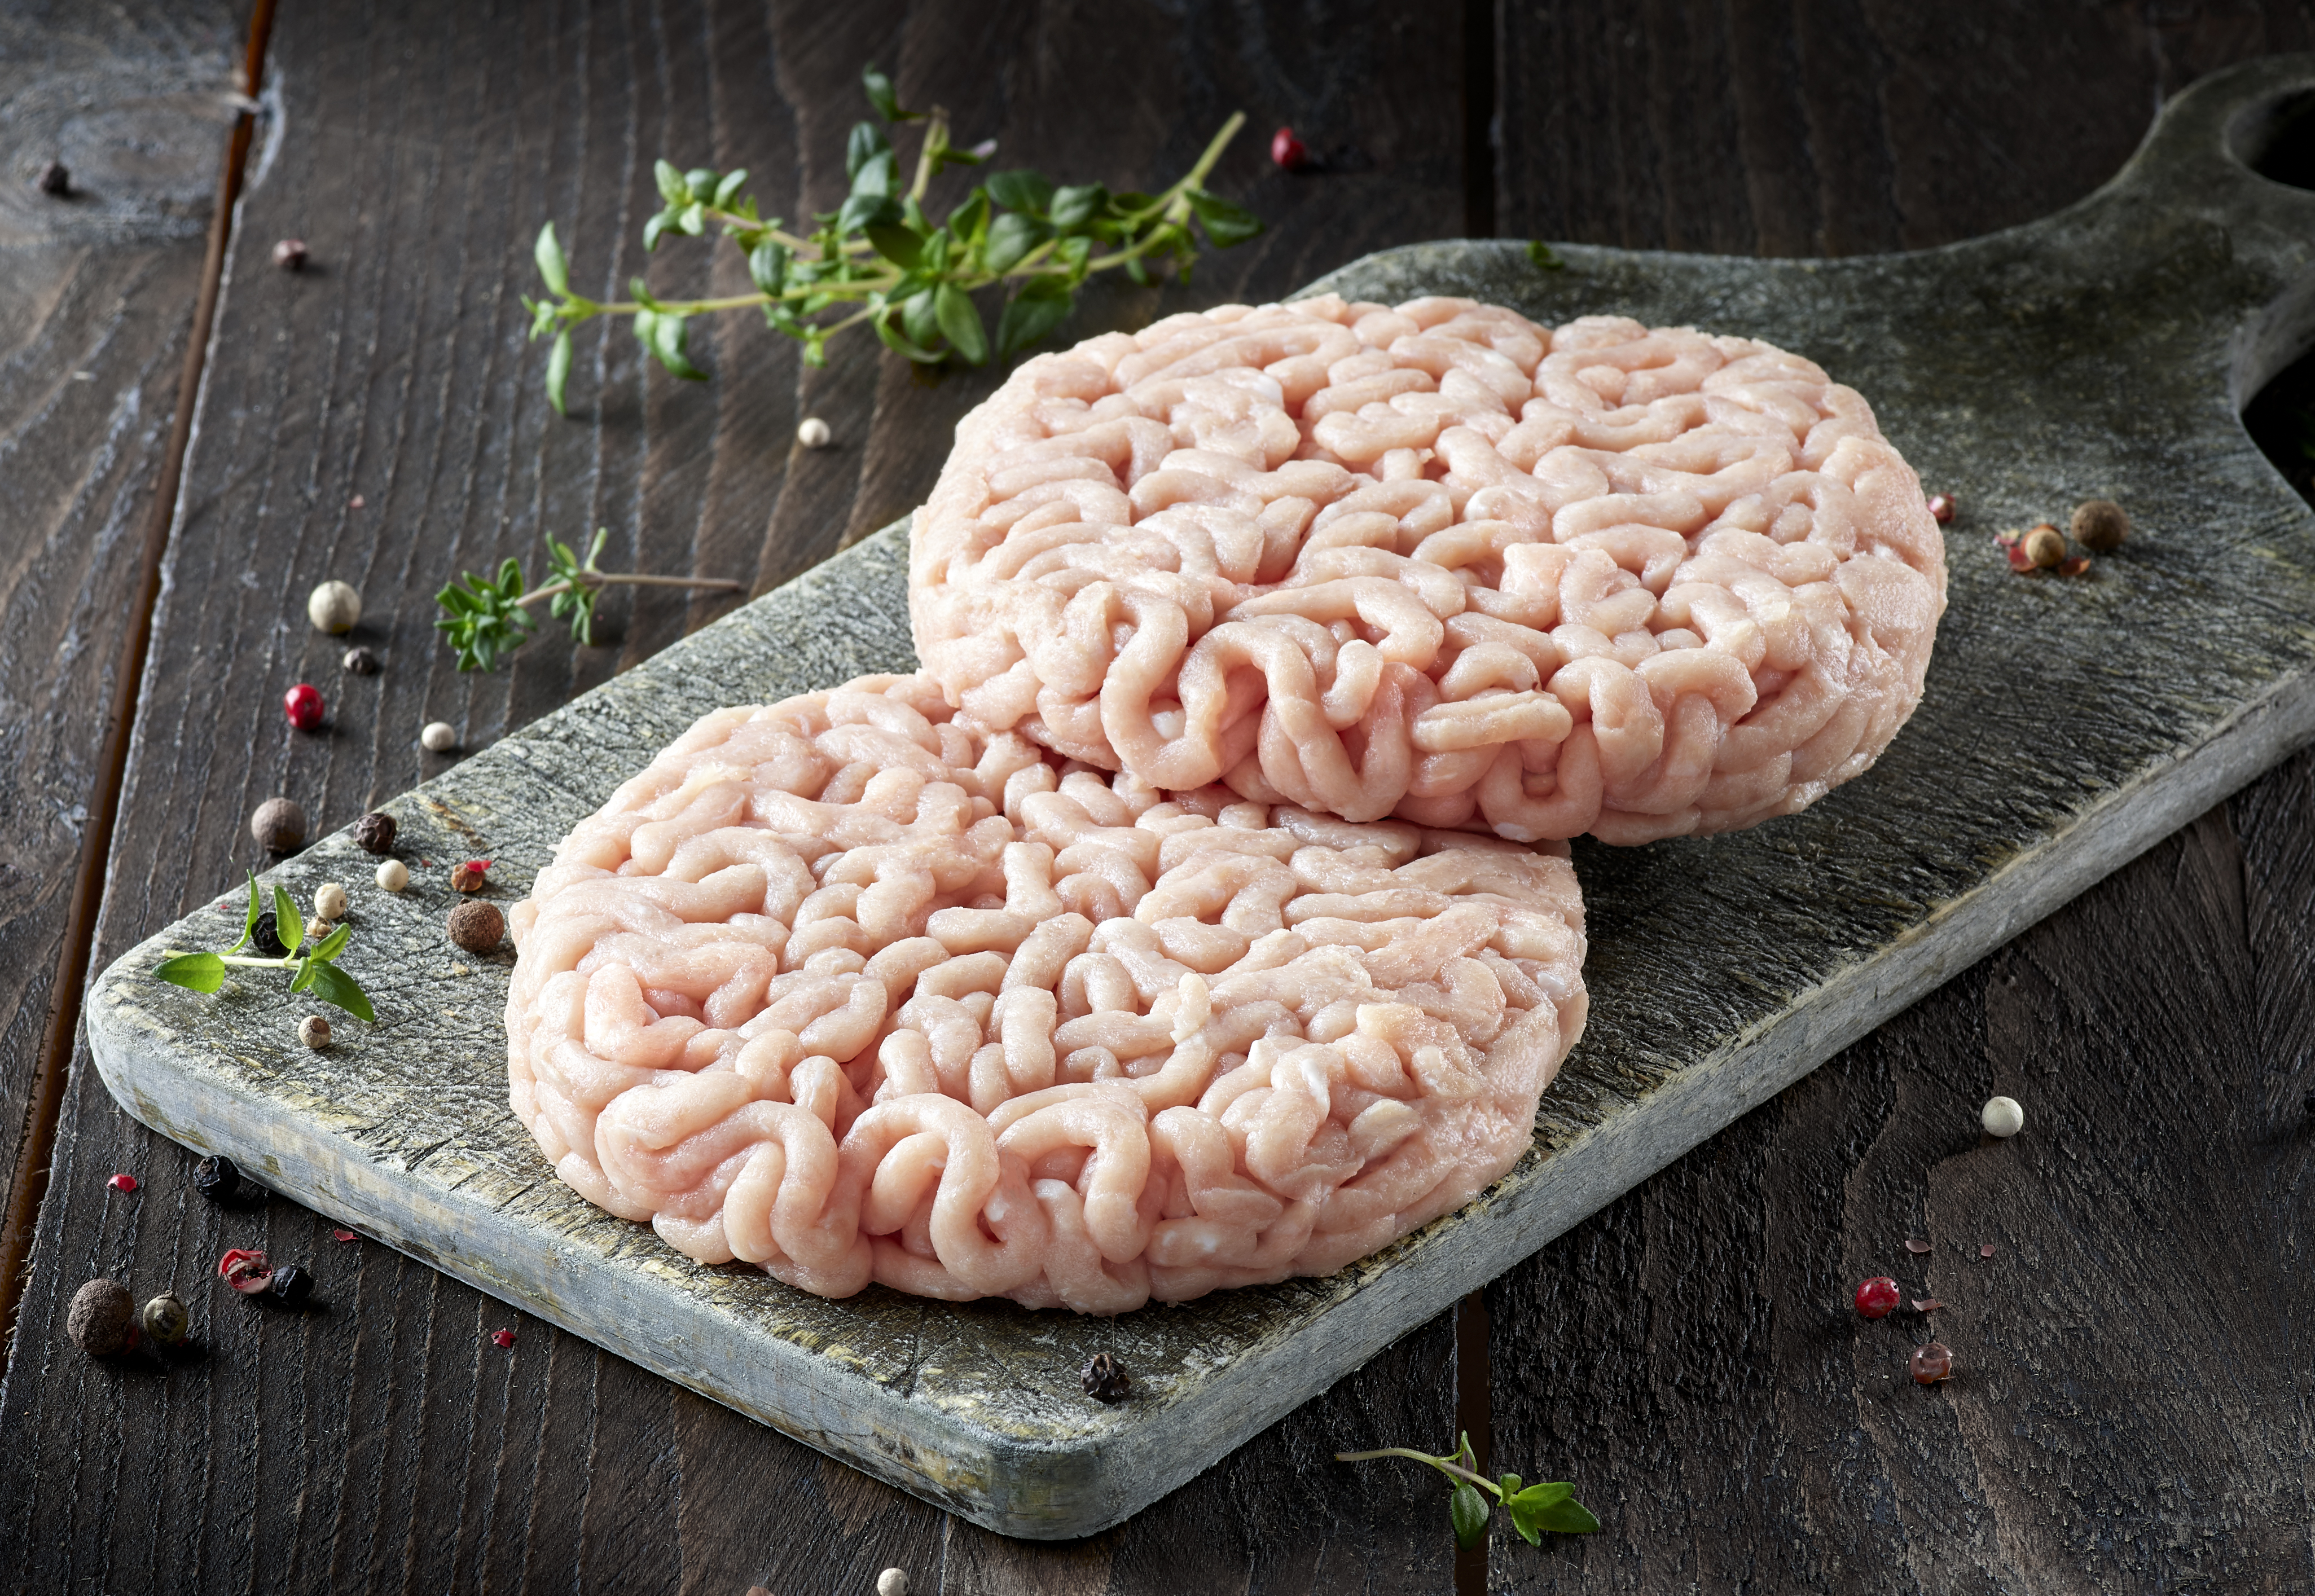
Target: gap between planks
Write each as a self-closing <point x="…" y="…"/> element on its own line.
<point x="46" y="1104"/>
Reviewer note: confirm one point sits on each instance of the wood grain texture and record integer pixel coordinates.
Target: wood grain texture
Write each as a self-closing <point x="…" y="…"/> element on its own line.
<point x="96" y="298"/>
<point x="382" y="1443"/>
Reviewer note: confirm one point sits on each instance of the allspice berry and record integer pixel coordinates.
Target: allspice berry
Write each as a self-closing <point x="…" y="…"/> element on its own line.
<point x="314" y="1031"/>
<point x="334" y="607"/>
<point x="166" y="1321"/>
<point x="2100" y="525"/>
<point x="279" y="826"/>
<point x="477" y="926"/>
<point x="2044" y="547"/>
<point x="374" y="832"/>
<point x="101" y="1319"/>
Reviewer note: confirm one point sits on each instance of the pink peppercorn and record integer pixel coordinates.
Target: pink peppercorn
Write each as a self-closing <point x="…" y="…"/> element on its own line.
<point x="1876" y="1297"/>
<point x="1941" y="508"/>
<point x="245" y="1270"/>
<point x="1287" y="151"/>
<point x="501" y="1338"/>
<point x="303" y="704"/>
<point x="122" y="1183"/>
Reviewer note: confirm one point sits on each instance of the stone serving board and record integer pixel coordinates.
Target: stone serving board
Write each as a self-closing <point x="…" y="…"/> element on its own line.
<point x="2067" y="724"/>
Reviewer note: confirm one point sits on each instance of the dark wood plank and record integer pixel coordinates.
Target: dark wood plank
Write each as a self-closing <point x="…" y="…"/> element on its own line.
<point x="2124" y="1418"/>
<point x="97" y="291"/>
<point x="382" y="1442"/>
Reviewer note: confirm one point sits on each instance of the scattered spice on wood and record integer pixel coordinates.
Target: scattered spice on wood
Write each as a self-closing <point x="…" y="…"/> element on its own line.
<point x="2001" y="1116"/>
<point x="279" y="826"/>
<point x="356" y="502"/>
<point x="341" y="1234"/>
<point x="219" y="1179"/>
<point x="1876" y="1297"/>
<point x="1933" y="1363"/>
<point x="374" y="832"/>
<point x="1288" y="153"/>
<point x="470" y="875"/>
<point x="1104" y="1378"/>
<point x="122" y="1183"/>
<point x="1985" y="1249"/>
<point x="501" y="1338"/>
<point x="166" y="1320"/>
<point x="814" y="433"/>
<point x="1941" y="508"/>
<point x="290" y="254"/>
<point x="303" y="705"/>
<point x="1914" y="1244"/>
<point x="1927" y="1305"/>
<point x="245" y="1270"/>
<point x="102" y="1319"/>
<point x="891" y="1582"/>
<point x="2100" y="525"/>
<point x="477" y="926"/>
<point x="360" y="662"/>
<point x="55" y="181"/>
<point x="290" y="1285"/>
<point x="438" y="737"/>
<point x="334" y="607"/>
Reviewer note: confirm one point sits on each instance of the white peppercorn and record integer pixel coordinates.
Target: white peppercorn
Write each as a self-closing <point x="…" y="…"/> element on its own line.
<point x="891" y="1582"/>
<point x="2001" y="1116"/>
<point x="330" y="901"/>
<point x="393" y="875"/>
<point x="814" y="433"/>
<point x="333" y="607"/>
<point x="438" y="738"/>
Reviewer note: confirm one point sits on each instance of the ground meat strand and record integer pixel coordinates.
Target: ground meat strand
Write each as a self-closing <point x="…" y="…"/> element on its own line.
<point x="1438" y="563"/>
<point x="849" y="992"/>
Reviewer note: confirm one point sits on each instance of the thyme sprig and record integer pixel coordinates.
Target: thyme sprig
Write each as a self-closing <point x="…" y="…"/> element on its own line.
<point x="317" y="968"/>
<point x="1533" y="1508"/>
<point x="911" y="279"/>
<point x="486" y="618"/>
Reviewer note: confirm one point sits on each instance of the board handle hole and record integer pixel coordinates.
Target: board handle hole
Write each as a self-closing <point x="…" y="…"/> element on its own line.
<point x="2277" y="138"/>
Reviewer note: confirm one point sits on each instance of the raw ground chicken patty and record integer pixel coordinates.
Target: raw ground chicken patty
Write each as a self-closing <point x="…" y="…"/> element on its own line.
<point x="849" y="992"/>
<point x="1435" y="561"/>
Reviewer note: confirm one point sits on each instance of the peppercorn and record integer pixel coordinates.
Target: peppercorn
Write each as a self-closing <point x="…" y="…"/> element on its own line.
<point x="1104" y="1377"/>
<point x="290" y="1285"/>
<point x="279" y="826"/>
<point x="2044" y="546"/>
<point x="123" y="1183"/>
<point x="891" y="1582"/>
<point x="1941" y="508"/>
<point x="290" y="254"/>
<point x="303" y="704"/>
<point x="265" y="936"/>
<point x="166" y="1321"/>
<point x="438" y="738"/>
<point x="360" y="662"/>
<point x="393" y="875"/>
<point x="330" y="901"/>
<point x="502" y="1339"/>
<point x="2100" y="525"/>
<point x="102" y="1319"/>
<point x="314" y="1031"/>
<point x="374" y="832"/>
<point x="54" y="181"/>
<point x="814" y="433"/>
<point x="468" y="876"/>
<point x="219" y="1179"/>
<point x="477" y="926"/>
<point x="1287" y="151"/>
<point x="2002" y="1117"/>
<point x="1933" y="1363"/>
<point x="333" y="607"/>
<point x="245" y="1270"/>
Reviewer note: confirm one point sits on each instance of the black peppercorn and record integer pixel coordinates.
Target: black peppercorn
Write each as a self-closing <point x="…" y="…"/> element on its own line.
<point x="374" y="832"/>
<point x="1105" y="1379"/>
<point x="266" y="937"/>
<point x="220" y="1179"/>
<point x="290" y="1285"/>
<point x="53" y="179"/>
<point x="361" y="661"/>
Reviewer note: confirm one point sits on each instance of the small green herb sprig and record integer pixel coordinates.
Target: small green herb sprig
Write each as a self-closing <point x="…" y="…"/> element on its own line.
<point x="486" y="618"/>
<point x="911" y="277"/>
<point x="1533" y="1508"/>
<point x="316" y="966"/>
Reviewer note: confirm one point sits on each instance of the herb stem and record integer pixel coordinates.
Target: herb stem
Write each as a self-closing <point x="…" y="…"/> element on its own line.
<point x="606" y="578"/>
<point x="1452" y="1470"/>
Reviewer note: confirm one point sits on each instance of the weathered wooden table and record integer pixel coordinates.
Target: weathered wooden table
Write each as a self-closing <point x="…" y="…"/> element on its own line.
<point x="2135" y="1416"/>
